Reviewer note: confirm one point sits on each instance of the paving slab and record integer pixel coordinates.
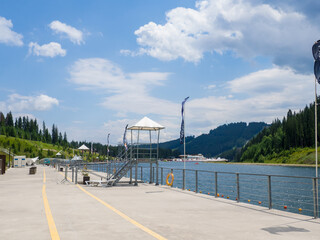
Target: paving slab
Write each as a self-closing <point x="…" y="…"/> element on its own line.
<point x="128" y="212"/>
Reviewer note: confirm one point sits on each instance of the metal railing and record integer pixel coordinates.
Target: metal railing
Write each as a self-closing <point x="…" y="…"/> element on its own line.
<point x="289" y="193"/>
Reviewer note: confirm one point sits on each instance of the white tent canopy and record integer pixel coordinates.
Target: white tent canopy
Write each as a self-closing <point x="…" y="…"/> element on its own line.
<point x="83" y="147"/>
<point x="76" y="158"/>
<point x="146" y="124"/>
<point x="58" y="154"/>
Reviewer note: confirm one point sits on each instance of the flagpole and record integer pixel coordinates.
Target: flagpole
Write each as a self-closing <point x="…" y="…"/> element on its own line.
<point x="184" y="143"/>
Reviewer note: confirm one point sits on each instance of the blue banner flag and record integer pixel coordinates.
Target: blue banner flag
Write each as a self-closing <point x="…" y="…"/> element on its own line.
<point x="316" y="50"/>
<point x="317" y="70"/>
<point x="316" y="56"/>
<point x="125" y="138"/>
<point x="182" y="122"/>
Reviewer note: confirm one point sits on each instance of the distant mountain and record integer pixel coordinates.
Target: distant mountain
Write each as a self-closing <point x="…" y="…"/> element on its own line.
<point x="223" y="138"/>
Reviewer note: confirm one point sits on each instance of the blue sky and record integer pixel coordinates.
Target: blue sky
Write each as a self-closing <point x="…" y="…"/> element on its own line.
<point x="91" y="67"/>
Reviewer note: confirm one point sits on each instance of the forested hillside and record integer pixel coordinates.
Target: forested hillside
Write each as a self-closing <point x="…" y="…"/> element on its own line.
<point x="224" y="138"/>
<point x="24" y="136"/>
<point x="277" y="142"/>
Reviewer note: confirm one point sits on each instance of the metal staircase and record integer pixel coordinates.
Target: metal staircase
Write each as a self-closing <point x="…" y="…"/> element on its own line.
<point x="124" y="166"/>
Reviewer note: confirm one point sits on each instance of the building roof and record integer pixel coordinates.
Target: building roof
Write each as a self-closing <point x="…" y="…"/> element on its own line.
<point x="83" y="147"/>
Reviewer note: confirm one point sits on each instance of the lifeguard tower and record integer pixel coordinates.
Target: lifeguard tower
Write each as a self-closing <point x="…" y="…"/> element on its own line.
<point x="139" y="151"/>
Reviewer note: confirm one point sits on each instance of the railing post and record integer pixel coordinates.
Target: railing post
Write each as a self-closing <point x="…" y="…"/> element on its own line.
<point x="66" y="172"/>
<point x="196" y="181"/>
<point x="161" y="176"/>
<point x="172" y="173"/>
<point x="183" y="179"/>
<point x="315" y="197"/>
<point x="238" y="188"/>
<point x="141" y="175"/>
<point x="130" y="182"/>
<point x="76" y="177"/>
<point x="216" y="183"/>
<point x="269" y="192"/>
<point x="153" y="174"/>
<point x="150" y="172"/>
<point x="72" y="174"/>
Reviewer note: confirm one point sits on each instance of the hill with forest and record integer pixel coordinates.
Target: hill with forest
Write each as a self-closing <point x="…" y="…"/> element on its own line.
<point x="290" y="140"/>
<point x="223" y="138"/>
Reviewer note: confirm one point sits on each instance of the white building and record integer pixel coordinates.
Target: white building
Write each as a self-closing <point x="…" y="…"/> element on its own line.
<point x="19" y="161"/>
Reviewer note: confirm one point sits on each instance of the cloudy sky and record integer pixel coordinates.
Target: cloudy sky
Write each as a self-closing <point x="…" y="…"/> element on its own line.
<point x="91" y="67"/>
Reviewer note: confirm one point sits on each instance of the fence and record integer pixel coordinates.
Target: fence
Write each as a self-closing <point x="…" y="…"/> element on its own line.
<point x="289" y="193"/>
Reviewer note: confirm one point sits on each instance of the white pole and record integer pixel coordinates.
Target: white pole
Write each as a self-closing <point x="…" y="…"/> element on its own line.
<point x="184" y="141"/>
<point x="316" y="126"/>
<point x="184" y="149"/>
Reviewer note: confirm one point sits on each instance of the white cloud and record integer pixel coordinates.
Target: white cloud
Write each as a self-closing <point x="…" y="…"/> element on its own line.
<point x="126" y="92"/>
<point x="246" y="28"/>
<point x="51" y="49"/>
<point x="259" y="96"/>
<point x="74" y="35"/>
<point x="8" y="36"/>
<point x="19" y="103"/>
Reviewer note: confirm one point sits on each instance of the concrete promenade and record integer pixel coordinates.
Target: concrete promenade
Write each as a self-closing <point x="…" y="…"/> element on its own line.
<point x="40" y="206"/>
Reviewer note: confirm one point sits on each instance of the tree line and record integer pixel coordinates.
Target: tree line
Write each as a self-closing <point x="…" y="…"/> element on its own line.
<point x="28" y="128"/>
<point x="296" y="130"/>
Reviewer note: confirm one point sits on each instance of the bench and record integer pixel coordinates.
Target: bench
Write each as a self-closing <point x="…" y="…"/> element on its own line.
<point x="101" y="183"/>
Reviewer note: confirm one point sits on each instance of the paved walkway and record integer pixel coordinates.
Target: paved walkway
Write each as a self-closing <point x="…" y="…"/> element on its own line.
<point x="41" y="207"/>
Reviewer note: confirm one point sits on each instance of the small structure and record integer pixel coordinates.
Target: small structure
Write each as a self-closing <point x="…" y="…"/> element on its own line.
<point x="58" y="155"/>
<point x="145" y="124"/>
<point x="19" y="161"/>
<point x="76" y="158"/>
<point x="83" y="148"/>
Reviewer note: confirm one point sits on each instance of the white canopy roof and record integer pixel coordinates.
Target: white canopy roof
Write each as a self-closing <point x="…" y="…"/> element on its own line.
<point x="83" y="147"/>
<point x="58" y="154"/>
<point x="146" y="124"/>
<point x="76" y="158"/>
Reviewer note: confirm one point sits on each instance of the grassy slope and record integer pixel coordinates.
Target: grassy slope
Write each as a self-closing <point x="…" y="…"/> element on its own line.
<point x="33" y="148"/>
<point x="293" y="156"/>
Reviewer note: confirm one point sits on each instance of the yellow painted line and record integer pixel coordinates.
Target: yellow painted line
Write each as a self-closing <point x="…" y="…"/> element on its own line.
<point x="147" y="230"/>
<point x="52" y="226"/>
